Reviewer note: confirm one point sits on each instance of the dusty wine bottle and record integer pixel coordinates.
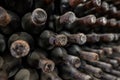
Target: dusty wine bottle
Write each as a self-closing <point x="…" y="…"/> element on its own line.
<point x="47" y="5"/>
<point x="10" y="65"/>
<point x="113" y="62"/>
<point x="77" y="51"/>
<point x="115" y="72"/>
<point x="68" y="72"/>
<point x="81" y="8"/>
<point x="103" y="65"/>
<point x="106" y="76"/>
<point x="95" y="71"/>
<point x="93" y="38"/>
<point x="38" y="59"/>
<point x="34" y="22"/>
<point x="107" y="50"/>
<point x="26" y="74"/>
<point x="20" y="44"/>
<point x="9" y="21"/>
<point x="111" y="22"/>
<point x="50" y="76"/>
<point x="78" y="38"/>
<point x="116" y="49"/>
<point x="49" y="39"/>
<point x="69" y="21"/>
<point x="100" y="52"/>
<point x="61" y="54"/>
<point x="99" y="11"/>
<point x="107" y="37"/>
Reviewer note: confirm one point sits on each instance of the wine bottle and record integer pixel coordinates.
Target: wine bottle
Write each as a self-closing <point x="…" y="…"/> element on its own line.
<point x="49" y="39"/>
<point x="9" y="21"/>
<point x="68" y="72"/>
<point x="81" y="8"/>
<point x="69" y="21"/>
<point x="103" y="65"/>
<point x="20" y="44"/>
<point x="34" y="22"/>
<point x="107" y="76"/>
<point x="92" y="38"/>
<point x="38" y="59"/>
<point x="78" y="38"/>
<point x="60" y="55"/>
<point x="100" y="52"/>
<point x="95" y="71"/>
<point x="10" y="65"/>
<point x="77" y="51"/>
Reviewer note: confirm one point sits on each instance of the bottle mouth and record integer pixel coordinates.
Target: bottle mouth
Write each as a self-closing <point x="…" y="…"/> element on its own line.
<point x="4" y="17"/>
<point x="81" y="38"/>
<point x="90" y="19"/>
<point x="102" y="21"/>
<point x="19" y="48"/>
<point x="77" y="63"/>
<point x="48" y="67"/>
<point x="39" y="16"/>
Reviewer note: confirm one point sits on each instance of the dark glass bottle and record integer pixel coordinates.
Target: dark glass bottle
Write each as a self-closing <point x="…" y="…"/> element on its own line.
<point x="69" y="21"/>
<point x="20" y="44"/>
<point x="89" y="56"/>
<point x="92" y="38"/>
<point x="49" y="39"/>
<point x="68" y="72"/>
<point x="103" y="65"/>
<point x="47" y="5"/>
<point x="78" y="38"/>
<point x="10" y="65"/>
<point x="34" y="22"/>
<point x="95" y="71"/>
<point x="38" y="59"/>
<point x="81" y="8"/>
<point x="60" y="55"/>
<point x="9" y="22"/>
<point x="107" y="76"/>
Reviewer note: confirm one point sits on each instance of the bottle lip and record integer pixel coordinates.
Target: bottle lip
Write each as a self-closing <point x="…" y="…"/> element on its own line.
<point x="5" y="18"/>
<point x="48" y="66"/>
<point x="102" y="21"/>
<point x="39" y="16"/>
<point x="19" y="48"/>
